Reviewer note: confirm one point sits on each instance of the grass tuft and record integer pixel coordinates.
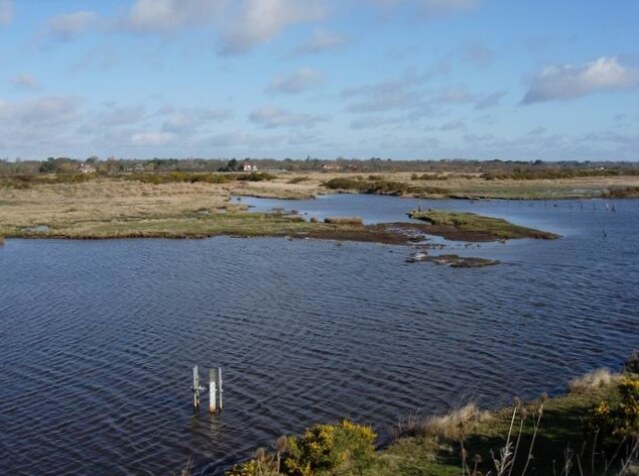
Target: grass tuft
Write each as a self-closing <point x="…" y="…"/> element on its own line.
<point x="592" y="381"/>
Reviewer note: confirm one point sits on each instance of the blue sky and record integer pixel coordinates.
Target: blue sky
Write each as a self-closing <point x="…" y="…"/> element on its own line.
<point x="406" y="79"/>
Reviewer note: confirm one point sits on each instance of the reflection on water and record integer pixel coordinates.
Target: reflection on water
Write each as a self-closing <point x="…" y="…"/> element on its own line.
<point x="97" y="339"/>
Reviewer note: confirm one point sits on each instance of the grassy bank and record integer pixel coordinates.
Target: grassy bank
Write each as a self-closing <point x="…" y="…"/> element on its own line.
<point x="205" y="224"/>
<point x="172" y="204"/>
<point x="592" y="430"/>
<point x="465" y="226"/>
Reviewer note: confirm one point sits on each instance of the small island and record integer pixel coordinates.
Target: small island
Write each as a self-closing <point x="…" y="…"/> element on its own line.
<point x="464" y="226"/>
<point x="452" y="260"/>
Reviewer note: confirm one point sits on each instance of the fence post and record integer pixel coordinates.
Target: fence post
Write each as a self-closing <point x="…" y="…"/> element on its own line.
<point x="196" y="389"/>
<point x="219" y="385"/>
<point x="212" y="379"/>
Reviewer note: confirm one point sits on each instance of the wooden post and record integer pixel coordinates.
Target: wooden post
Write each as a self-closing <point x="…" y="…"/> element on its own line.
<point x="212" y="379"/>
<point x="219" y="385"/>
<point x="196" y="389"/>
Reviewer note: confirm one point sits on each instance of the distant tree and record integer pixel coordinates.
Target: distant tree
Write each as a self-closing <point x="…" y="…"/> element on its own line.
<point x="49" y="167"/>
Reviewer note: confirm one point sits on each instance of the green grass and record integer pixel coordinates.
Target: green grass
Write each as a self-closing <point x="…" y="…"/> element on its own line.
<point x="563" y="424"/>
<point x="471" y="223"/>
<point x="188" y="225"/>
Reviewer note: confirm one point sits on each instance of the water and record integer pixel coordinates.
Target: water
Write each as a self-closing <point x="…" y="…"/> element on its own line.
<point x="97" y="339"/>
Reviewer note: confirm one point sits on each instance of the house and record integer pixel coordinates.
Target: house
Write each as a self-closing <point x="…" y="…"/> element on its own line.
<point x="87" y="169"/>
<point x="248" y="167"/>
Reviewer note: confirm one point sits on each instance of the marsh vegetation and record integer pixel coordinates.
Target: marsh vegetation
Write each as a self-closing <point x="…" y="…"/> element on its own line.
<point x="466" y="226"/>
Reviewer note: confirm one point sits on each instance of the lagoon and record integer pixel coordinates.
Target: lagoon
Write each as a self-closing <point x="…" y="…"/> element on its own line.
<point x="97" y="339"/>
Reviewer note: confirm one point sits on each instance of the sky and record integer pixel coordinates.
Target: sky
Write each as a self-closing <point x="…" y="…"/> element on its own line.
<point x="401" y="79"/>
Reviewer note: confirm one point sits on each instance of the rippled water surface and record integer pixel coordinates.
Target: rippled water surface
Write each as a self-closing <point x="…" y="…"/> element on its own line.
<point x="97" y="339"/>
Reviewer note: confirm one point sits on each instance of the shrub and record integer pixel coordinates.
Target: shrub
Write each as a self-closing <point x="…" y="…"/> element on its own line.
<point x="337" y="448"/>
<point x="256" y="177"/>
<point x="381" y="186"/>
<point x="344" y="183"/>
<point x="295" y="180"/>
<point x="629" y="407"/>
<point x="619" y="418"/>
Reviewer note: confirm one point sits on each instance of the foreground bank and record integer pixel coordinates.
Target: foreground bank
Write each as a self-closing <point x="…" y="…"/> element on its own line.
<point x="592" y="430"/>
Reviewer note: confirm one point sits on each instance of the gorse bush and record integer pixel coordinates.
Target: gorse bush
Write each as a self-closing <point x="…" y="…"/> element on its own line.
<point x="629" y="406"/>
<point x="619" y="418"/>
<point x="345" y="448"/>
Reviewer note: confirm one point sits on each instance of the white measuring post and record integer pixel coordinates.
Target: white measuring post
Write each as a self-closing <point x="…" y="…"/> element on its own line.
<point x="219" y="385"/>
<point x="196" y="389"/>
<point x="212" y="396"/>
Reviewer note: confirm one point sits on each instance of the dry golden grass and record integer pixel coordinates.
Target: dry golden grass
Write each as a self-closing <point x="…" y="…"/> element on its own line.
<point x="104" y="200"/>
<point x="456" y="422"/>
<point x="80" y="206"/>
<point x="593" y="380"/>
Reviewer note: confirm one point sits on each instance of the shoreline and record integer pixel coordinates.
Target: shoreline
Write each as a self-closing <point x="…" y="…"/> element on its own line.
<point x="590" y="413"/>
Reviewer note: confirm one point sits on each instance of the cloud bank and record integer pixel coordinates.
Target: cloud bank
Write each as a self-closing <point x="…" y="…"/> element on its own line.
<point x="565" y="82"/>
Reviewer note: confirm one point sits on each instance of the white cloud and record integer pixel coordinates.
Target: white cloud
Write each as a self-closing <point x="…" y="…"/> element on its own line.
<point x="163" y="16"/>
<point x="321" y="40"/>
<point x="69" y="26"/>
<point x="261" y="20"/>
<point x="301" y="80"/>
<point x="152" y="138"/>
<point x="271" y="117"/>
<point x="570" y="81"/>
<point x="6" y="12"/>
<point x="24" y="81"/>
<point x="241" y="24"/>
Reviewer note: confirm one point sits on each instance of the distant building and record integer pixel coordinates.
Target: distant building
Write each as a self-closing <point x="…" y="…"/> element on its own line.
<point x="87" y="169"/>
<point x="331" y="167"/>
<point x="248" y="167"/>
